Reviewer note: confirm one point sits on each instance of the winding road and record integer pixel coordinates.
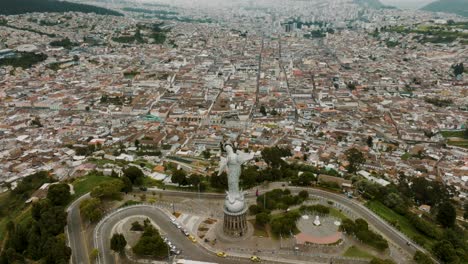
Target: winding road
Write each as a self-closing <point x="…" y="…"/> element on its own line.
<point x="194" y="251"/>
<point x="190" y="250"/>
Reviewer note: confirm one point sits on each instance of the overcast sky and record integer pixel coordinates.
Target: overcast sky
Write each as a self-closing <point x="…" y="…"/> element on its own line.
<point x="407" y="3"/>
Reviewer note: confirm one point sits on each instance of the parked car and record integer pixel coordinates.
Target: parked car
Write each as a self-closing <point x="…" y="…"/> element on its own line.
<point x="221" y="254"/>
<point x="192" y="238"/>
<point x="255" y="259"/>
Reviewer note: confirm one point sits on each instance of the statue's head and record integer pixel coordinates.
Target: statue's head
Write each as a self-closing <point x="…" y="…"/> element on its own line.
<point x="228" y="144"/>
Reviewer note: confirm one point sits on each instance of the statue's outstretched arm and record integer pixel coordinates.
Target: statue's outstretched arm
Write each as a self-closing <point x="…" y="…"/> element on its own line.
<point x="243" y="157"/>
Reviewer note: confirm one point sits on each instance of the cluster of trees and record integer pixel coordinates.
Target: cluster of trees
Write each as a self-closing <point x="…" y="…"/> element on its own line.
<point x="315" y="209"/>
<point x="273" y="156"/>
<point x="439" y="102"/>
<point x="285" y="225"/>
<point x="23" y="59"/>
<point x="150" y="243"/>
<point x="263" y="111"/>
<point x="92" y="208"/>
<point x="297" y="174"/>
<point x="195" y="180"/>
<point x="118" y="243"/>
<point x="414" y="191"/>
<point x="360" y="229"/>
<point x="29" y="6"/>
<point x="458" y="69"/>
<point x="279" y="199"/>
<point x="355" y="159"/>
<point x="40" y="238"/>
<point x="65" y="43"/>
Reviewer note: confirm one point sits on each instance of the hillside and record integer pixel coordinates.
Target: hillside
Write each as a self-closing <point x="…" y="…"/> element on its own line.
<point x="459" y="7"/>
<point x="375" y="4"/>
<point x="9" y="7"/>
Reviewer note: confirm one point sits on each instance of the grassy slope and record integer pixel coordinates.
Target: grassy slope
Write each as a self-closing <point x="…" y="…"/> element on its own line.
<point x="87" y="183"/>
<point x="356" y="252"/>
<point x="403" y="224"/>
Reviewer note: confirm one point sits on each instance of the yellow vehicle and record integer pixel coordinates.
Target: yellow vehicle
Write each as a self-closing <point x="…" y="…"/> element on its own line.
<point x="221" y="254"/>
<point x="192" y="238"/>
<point x="255" y="259"/>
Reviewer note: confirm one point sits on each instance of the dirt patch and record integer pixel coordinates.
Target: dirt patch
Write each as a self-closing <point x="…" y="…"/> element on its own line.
<point x="210" y="221"/>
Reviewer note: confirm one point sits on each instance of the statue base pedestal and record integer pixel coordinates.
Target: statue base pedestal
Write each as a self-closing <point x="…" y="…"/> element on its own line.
<point x="235" y="224"/>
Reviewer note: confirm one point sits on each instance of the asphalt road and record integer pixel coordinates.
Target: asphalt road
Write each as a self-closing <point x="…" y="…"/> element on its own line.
<point x="385" y="228"/>
<point x="75" y="232"/>
<point x="190" y="250"/>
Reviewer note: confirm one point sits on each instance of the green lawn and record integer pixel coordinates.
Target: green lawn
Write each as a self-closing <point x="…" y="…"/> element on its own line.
<point x="448" y="134"/>
<point x="461" y="143"/>
<point x="85" y="184"/>
<point x="356" y="252"/>
<point x="336" y="213"/>
<point x="400" y="222"/>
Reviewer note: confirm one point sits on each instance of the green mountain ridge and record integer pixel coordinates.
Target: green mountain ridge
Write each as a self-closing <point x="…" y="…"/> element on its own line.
<point x="15" y="7"/>
<point x="459" y="7"/>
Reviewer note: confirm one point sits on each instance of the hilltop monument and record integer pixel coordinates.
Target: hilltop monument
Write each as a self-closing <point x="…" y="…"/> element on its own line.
<point x="235" y="209"/>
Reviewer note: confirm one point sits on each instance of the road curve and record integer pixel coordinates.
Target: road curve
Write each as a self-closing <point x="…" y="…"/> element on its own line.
<point x="80" y="253"/>
<point x="385" y="228"/>
<point x="192" y="251"/>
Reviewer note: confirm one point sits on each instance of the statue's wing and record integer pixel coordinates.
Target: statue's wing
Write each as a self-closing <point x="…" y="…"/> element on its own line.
<point x="222" y="165"/>
<point x="244" y="157"/>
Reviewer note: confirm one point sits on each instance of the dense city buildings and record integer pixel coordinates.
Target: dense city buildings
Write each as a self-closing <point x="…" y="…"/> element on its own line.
<point x="168" y="83"/>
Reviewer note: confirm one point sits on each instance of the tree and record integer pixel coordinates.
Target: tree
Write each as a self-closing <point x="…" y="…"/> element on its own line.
<point x="135" y="175"/>
<point x="194" y="180"/>
<point x="249" y="176"/>
<point x="273" y="155"/>
<point x="263" y="110"/>
<point x="179" y="177"/>
<point x="118" y="243"/>
<point x="127" y="185"/>
<point x="136" y="226"/>
<point x="151" y="244"/>
<point x="304" y="194"/>
<point x="219" y="181"/>
<point x="421" y="258"/>
<point x="446" y="214"/>
<point x="206" y="154"/>
<point x="305" y="179"/>
<point x="262" y="219"/>
<point x="91" y="209"/>
<point x="445" y="252"/>
<point x="59" y="194"/>
<point x="458" y="69"/>
<point x="108" y="190"/>
<point x="137" y="143"/>
<point x="355" y="159"/>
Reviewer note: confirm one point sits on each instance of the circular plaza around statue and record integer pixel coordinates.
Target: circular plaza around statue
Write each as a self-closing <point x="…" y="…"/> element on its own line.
<point x="321" y="230"/>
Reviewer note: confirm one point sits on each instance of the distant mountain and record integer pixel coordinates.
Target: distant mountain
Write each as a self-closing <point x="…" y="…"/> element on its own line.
<point x="14" y="7"/>
<point x="459" y="7"/>
<point x="375" y="4"/>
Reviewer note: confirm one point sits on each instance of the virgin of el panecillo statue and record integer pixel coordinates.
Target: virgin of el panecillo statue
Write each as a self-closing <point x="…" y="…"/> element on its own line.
<point x="232" y="164"/>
